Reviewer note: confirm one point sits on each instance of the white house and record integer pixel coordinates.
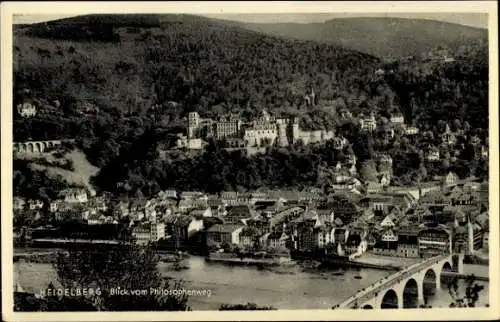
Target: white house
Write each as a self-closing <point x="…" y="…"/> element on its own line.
<point x="26" y="109"/>
<point x="74" y="195"/>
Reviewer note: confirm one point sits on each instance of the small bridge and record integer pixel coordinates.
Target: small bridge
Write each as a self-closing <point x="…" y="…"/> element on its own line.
<point x="37" y="146"/>
<point x="408" y="288"/>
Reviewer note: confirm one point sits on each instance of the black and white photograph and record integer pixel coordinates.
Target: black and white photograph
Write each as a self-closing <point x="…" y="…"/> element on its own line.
<point x="221" y="157"/>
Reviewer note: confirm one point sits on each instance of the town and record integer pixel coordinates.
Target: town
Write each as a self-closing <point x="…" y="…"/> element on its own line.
<point x="202" y="157"/>
<point x="347" y="219"/>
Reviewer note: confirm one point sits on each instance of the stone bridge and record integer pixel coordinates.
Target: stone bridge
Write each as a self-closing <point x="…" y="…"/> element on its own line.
<point x="37" y="146"/>
<point x="408" y="288"/>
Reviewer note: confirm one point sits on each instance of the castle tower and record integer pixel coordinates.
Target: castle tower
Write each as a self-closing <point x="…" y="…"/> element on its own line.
<point x="193" y="124"/>
<point x="295" y="129"/>
<point x="312" y="96"/>
<point x="282" y="125"/>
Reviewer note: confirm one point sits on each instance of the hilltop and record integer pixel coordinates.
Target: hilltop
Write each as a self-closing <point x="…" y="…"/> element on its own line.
<point x="132" y="62"/>
<point x="381" y="37"/>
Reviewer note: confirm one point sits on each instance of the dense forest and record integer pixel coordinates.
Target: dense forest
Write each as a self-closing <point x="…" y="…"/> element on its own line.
<point x="387" y="37"/>
<point x="122" y="94"/>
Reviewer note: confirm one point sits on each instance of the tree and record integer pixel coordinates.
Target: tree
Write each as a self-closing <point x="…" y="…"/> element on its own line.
<point x="126" y="266"/>
<point x="368" y="171"/>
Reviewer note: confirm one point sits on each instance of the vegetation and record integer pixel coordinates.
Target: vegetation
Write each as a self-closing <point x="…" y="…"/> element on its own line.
<point x="467" y="297"/>
<point x="123" y="99"/>
<point x="102" y="269"/>
<point x="381" y="37"/>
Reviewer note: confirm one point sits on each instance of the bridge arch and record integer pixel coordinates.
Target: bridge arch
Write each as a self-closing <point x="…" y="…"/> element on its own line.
<point x="444" y="277"/>
<point x="38" y="146"/>
<point x="367" y="307"/>
<point x="430" y="284"/>
<point x="410" y="294"/>
<point x="390" y="300"/>
<point x="30" y="147"/>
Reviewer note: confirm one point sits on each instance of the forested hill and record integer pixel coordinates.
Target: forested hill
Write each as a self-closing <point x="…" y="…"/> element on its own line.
<point x="381" y="37"/>
<point x="132" y="62"/>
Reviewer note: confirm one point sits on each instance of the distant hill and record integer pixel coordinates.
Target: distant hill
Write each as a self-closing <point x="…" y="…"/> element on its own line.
<point x="132" y="62"/>
<point x="381" y="37"/>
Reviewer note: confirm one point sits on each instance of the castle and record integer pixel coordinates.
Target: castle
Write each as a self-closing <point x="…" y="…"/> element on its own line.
<point x="258" y="133"/>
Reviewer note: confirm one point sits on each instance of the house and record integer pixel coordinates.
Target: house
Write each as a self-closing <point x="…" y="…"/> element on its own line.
<point x="450" y="179"/>
<point x="277" y="239"/>
<point x="434" y="240"/>
<point x="339" y="143"/>
<point x="486" y="240"/>
<point x="95" y="218"/>
<point x="182" y="228"/>
<point x="397" y="119"/>
<point x="385" y="179"/>
<point x="377" y="202"/>
<point x="18" y="203"/>
<point x="35" y="204"/>
<point x="388" y="222"/>
<point x="411" y="130"/>
<point x="249" y="238"/>
<point x="201" y="213"/>
<point x="193" y="195"/>
<point x="26" y="109"/>
<point x="218" y="235"/>
<point x="167" y="194"/>
<point x="74" y="195"/>
<point x="433" y="155"/>
<point x="356" y="243"/>
<point x="448" y="137"/>
<point x="157" y="231"/>
<point x="217" y="207"/>
<point x="142" y="234"/>
<point x="236" y="213"/>
<point x="368" y="124"/>
<point x="187" y="204"/>
<point x="408" y="242"/>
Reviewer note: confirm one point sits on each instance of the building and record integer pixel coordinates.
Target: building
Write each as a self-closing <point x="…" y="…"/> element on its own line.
<point x="448" y="137"/>
<point x="26" y="109"/>
<point x="408" y="243"/>
<point x="74" y="195"/>
<point x="223" y="234"/>
<point x="339" y="143"/>
<point x="368" y="124"/>
<point x="450" y="179"/>
<point x="397" y="119"/>
<point x="157" y="231"/>
<point x="434" y="240"/>
<point x="467" y="237"/>
<point x="35" y="204"/>
<point x="277" y="239"/>
<point x="142" y="234"/>
<point x="486" y="240"/>
<point x="249" y="238"/>
<point x="18" y="203"/>
<point x="411" y="130"/>
<point x="182" y="228"/>
<point x="236" y="214"/>
<point x="167" y="194"/>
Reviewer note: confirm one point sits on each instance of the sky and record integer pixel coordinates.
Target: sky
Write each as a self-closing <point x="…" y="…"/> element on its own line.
<point x="479" y="20"/>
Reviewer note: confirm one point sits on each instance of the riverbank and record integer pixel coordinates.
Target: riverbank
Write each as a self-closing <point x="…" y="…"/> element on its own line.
<point x="256" y="261"/>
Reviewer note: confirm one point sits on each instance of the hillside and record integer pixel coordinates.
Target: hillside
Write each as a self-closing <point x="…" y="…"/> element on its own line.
<point x="381" y="37"/>
<point x="132" y="62"/>
<point x="69" y="169"/>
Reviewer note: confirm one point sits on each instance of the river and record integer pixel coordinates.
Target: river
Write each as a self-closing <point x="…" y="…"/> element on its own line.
<point x="240" y="285"/>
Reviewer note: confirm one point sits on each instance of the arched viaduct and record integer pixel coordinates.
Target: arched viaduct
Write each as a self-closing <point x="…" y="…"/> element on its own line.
<point x="408" y="288"/>
<point x="36" y="146"/>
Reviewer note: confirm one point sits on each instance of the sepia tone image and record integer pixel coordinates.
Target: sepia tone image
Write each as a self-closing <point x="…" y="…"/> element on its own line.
<point x="216" y="162"/>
